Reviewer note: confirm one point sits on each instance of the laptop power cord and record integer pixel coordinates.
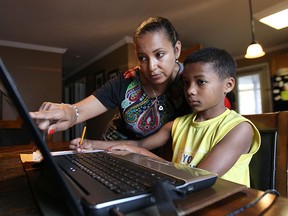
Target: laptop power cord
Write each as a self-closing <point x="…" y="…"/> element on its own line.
<point x="254" y="202"/>
<point x="164" y="193"/>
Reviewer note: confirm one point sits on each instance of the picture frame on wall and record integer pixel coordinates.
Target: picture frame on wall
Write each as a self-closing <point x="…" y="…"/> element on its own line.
<point x="113" y="74"/>
<point x="99" y="79"/>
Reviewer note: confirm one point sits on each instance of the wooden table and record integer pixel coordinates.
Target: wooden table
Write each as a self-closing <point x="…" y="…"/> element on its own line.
<point x="16" y="197"/>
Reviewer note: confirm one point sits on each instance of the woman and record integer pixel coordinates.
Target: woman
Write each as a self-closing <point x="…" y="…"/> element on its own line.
<point x="148" y="96"/>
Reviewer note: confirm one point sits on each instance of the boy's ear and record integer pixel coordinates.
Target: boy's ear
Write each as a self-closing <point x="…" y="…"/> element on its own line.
<point x="229" y="84"/>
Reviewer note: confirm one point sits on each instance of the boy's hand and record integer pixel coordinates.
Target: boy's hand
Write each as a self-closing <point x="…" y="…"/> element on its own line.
<point x="133" y="149"/>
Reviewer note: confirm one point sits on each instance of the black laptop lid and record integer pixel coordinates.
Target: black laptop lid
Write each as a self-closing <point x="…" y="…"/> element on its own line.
<point x="19" y="103"/>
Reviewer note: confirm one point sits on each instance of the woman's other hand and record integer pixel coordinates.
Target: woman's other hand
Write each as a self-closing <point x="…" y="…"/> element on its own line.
<point x="87" y="145"/>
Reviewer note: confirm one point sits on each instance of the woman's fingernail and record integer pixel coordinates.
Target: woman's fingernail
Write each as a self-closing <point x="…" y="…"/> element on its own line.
<point x="51" y="132"/>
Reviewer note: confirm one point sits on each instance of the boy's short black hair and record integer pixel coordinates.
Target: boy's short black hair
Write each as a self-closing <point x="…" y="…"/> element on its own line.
<point x="222" y="62"/>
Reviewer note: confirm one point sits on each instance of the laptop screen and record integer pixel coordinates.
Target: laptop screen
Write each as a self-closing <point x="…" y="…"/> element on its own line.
<point x="14" y="95"/>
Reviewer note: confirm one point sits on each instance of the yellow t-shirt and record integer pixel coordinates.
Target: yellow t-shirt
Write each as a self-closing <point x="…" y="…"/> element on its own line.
<point x="193" y="140"/>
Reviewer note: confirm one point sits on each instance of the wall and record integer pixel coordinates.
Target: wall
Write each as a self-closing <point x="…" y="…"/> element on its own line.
<point x="38" y="76"/>
<point x="120" y="60"/>
<point x="132" y="59"/>
<point x="275" y="59"/>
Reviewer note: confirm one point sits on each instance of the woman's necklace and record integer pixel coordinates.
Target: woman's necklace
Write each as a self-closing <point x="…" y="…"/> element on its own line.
<point x="160" y="107"/>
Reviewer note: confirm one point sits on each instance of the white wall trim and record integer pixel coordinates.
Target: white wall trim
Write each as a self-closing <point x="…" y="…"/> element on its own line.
<point x="32" y="46"/>
<point x="124" y="40"/>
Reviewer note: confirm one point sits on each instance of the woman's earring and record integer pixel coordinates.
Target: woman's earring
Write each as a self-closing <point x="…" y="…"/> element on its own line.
<point x="177" y="61"/>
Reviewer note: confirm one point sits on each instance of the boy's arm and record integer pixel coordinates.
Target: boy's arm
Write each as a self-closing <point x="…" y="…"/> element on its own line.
<point x="154" y="141"/>
<point x="225" y="154"/>
<point x="158" y="139"/>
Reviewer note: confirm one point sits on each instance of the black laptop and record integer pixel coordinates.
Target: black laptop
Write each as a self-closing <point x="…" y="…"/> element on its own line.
<point x="100" y="182"/>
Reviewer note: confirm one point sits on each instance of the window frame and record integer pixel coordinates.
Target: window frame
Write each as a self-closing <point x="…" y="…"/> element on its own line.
<point x="265" y="84"/>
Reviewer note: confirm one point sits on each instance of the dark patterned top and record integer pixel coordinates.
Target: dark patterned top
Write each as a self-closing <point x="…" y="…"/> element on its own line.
<point x="139" y="115"/>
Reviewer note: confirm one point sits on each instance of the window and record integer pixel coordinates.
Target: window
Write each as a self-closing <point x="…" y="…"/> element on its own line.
<point x="253" y="90"/>
<point x="249" y="87"/>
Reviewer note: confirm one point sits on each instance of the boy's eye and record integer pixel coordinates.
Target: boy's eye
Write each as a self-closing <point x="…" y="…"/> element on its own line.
<point x="201" y="82"/>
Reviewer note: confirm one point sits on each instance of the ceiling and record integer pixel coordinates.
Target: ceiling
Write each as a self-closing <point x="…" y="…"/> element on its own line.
<point x="87" y="28"/>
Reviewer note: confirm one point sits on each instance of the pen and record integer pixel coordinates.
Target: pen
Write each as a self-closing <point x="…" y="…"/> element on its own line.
<point x="83" y="134"/>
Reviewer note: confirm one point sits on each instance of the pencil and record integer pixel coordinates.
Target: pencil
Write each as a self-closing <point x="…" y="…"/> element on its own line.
<point x="83" y="134"/>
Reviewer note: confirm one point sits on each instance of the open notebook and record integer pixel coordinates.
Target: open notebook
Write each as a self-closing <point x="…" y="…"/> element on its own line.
<point x="93" y="183"/>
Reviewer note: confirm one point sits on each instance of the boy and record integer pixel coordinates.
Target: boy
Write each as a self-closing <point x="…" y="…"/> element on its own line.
<point x="213" y="137"/>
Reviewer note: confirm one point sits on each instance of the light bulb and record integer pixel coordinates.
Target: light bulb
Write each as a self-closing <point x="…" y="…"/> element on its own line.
<point x="254" y="51"/>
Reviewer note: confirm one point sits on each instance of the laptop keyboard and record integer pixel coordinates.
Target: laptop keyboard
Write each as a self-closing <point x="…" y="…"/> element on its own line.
<point x="118" y="175"/>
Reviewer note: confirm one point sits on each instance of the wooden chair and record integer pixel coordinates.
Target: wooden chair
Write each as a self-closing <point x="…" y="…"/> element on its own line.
<point x="268" y="167"/>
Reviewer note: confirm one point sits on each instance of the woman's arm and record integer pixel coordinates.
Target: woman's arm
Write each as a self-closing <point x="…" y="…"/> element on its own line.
<point x="58" y="117"/>
<point x="88" y="108"/>
<point x="225" y="154"/>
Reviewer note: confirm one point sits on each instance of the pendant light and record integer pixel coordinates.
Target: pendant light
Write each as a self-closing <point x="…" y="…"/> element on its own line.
<point x="254" y="50"/>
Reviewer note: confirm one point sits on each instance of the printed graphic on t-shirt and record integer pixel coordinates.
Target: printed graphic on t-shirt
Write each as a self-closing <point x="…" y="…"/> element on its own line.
<point x="190" y="159"/>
